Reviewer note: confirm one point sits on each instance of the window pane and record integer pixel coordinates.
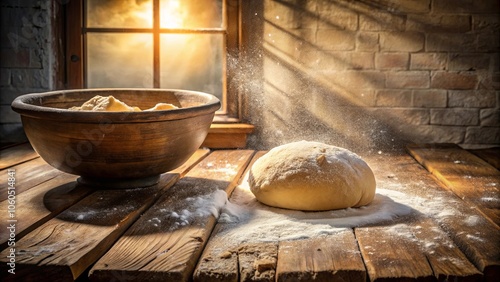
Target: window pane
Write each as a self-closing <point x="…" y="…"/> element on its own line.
<point x="120" y="13"/>
<point x="190" y="14"/>
<point x="119" y="60"/>
<point x="193" y="62"/>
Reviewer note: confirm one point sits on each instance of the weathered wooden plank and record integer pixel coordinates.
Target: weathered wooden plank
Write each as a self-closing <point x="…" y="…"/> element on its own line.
<point x="476" y="236"/>
<point x="65" y="246"/>
<point x="27" y="175"/>
<point x="467" y="175"/>
<point x="41" y="203"/>
<point x="258" y="261"/>
<point x="489" y="155"/>
<point x="447" y="261"/>
<point x="227" y="135"/>
<point x="199" y="155"/>
<point x="166" y="242"/>
<point x="390" y="255"/>
<point x="45" y="200"/>
<point x="404" y="251"/>
<point x="17" y="154"/>
<point x="219" y="261"/>
<point x="335" y="257"/>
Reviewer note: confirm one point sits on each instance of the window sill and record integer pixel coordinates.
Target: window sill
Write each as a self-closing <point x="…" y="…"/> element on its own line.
<point x="227" y="135"/>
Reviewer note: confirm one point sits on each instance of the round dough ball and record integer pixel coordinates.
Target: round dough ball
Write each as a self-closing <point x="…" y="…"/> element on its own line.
<point x="312" y="176"/>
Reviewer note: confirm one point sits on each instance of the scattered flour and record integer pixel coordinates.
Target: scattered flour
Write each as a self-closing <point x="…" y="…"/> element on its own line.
<point x="195" y="207"/>
<point x="243" y="219"/>
<point x="247" y="220"/>
<point x="472" y="220"/>
<point x="491" y="200"/>
<point x="475" y="237"/>
<point x="46" y="249"/>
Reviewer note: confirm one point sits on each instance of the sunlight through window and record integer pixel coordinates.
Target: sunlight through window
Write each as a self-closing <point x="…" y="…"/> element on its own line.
<point x="155" y="44"/>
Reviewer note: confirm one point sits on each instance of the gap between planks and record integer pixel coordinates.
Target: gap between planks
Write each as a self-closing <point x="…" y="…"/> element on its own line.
<point x="434" y="250"/>
<point x="321" y="259"/>
<point x="464" y="173"/>
<point x="41" y="203"/>
<point x="470" y="231"/>
<point x="66" y="245"/>
<point x="16" y="154"/>
<point x="162" y="245"/>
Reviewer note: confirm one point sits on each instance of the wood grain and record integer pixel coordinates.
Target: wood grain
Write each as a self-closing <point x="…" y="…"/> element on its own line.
<point x="447" y="238"/>
<point x="467" y="175"/>
<point x="16" y="154"/>
<point x="219" y="260"/>
<point x="199" y="155"/>
<point x="227" y="135"/>
<point x="222" y="261"/>
<point x="335" y="257"/>
<point x="476" y="236"/>
<point x="489" y="155"/>
<point x="65" y="246"/>
<point x="166" y="242"/>
<point x="43" y="202"/>
<point x="74" y="46"/>
<point x="416" y="251"/>
<point x="258" y="261"/>
<point x="28" y="175"/>
<point x="447" y="261"/>
<point x="390" y="255"/>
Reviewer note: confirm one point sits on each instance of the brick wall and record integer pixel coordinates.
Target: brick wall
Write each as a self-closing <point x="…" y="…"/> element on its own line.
<point x="358" y="74"/>
<point x="26" y="58"/>
<point x="367" y="74"/>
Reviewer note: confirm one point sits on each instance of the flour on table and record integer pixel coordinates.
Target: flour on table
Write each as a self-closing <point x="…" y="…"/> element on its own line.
<point x="194" y="207"/>
<point x="244" y="219"/>
<point x="248" y="220"/>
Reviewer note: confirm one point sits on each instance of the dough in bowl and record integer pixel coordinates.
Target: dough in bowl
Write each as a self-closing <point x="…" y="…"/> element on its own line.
<point x="312" y="176"/>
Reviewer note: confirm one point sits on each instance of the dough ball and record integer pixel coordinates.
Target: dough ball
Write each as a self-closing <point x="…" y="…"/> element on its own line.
<point x="105" y="104"/>
<point x="312" y="176"/>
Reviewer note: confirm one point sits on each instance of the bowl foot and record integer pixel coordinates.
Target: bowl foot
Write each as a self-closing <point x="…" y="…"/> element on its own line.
<point x="106" y="183"/>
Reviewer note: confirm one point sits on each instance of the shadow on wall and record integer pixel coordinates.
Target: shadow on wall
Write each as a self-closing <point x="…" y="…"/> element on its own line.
<point x="300" y="96"/>
<point x="302" y="85"/>
<point x="309" y="107"/>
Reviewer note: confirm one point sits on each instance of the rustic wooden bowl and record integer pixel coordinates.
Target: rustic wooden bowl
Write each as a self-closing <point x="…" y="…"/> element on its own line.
<point x="116" y="149"/>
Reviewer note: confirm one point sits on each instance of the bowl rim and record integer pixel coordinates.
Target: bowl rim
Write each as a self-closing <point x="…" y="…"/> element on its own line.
<point x="22" y="105"/>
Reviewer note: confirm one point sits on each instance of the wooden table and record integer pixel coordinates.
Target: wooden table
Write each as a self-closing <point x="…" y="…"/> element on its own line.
<point x="64" y="231"/>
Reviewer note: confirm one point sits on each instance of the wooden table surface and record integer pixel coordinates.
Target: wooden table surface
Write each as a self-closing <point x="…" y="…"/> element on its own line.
<point x="59" y="230"/>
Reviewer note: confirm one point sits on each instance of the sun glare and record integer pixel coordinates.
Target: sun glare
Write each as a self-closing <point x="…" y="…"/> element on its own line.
<point x="171" y="15"/>
<point x="177" y="50"/>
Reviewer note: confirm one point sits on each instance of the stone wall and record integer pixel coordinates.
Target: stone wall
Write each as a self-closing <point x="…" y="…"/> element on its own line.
<point x="372" y="74"/>
<point x="359" y="74"/>
<point x="26" y="58"/>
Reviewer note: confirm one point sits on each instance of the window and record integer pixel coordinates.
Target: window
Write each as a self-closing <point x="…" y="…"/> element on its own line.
<point x="184" y="44"/>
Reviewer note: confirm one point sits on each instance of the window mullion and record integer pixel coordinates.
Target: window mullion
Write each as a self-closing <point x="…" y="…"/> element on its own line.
<point x="156" y="43"/>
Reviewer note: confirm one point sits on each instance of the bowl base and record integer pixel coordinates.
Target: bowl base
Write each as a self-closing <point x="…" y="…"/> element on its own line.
<point x="106" y="183"/>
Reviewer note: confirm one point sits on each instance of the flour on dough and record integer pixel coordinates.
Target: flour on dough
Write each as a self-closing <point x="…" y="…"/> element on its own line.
<point x="312" y="176"/>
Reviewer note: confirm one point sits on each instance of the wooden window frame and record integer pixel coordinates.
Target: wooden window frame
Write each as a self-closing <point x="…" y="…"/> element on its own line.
<point x="75" y="53"/>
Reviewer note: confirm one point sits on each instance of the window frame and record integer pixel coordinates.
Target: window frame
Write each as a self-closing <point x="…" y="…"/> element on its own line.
<point x="75" y="31"/>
